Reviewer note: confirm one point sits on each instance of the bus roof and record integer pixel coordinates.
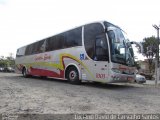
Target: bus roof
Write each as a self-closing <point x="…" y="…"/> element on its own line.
<point x="105" y="22"/>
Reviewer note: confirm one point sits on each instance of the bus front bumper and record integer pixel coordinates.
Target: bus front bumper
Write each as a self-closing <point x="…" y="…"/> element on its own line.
<point x="118" y="78"/>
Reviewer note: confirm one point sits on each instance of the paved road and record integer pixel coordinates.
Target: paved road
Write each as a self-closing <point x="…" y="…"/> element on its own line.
<point x="35" y="95"/>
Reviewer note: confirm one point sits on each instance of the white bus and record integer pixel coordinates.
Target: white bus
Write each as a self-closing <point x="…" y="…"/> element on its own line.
<point x="97" y="51"/>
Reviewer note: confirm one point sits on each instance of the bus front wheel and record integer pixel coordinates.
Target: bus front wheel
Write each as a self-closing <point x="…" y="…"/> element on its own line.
<point x="73" y="76"/>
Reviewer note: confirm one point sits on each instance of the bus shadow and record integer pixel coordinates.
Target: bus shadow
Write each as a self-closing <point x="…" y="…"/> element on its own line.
<point x="111" y="85"/>
<point x="88" y="84"/>
<point x="45" y="79"/>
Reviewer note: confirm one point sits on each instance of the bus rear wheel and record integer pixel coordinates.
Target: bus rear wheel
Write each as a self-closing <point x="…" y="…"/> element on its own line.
<point x="73" y="76"/>
<point x="24" y="73"/>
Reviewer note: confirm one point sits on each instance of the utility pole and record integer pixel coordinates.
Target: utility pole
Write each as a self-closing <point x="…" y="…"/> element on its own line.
<point x="157" y="56"/>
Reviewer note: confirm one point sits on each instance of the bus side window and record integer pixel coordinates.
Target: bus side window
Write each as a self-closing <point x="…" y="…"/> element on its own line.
<point x="55" y="42"/>
<point x="21" y="52"/>
<point x="29" y="49"/>
<point x="74" y="37"/>
<point x="37" y="47"/>
<point x="101" y="48"/>
<point x="42" y="46"/>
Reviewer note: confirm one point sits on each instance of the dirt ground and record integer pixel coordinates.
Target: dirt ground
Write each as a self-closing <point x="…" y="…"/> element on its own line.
<point x="50" y="96"/>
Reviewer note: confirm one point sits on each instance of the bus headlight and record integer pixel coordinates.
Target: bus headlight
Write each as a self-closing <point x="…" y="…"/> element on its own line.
<point x="116" y="70"/>
<point x="116" y="78"/>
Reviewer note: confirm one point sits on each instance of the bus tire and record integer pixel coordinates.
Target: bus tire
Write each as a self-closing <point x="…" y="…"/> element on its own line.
<point x="24" y="73"/>
<point x="73" y="76"/>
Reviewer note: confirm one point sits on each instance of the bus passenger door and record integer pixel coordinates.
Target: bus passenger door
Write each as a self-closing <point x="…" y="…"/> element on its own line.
<point x="101" y="58"/>
<point x="97" y="65"/>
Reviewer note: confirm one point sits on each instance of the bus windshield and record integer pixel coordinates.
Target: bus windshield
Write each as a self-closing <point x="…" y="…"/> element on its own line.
<point x="121" y="50"/>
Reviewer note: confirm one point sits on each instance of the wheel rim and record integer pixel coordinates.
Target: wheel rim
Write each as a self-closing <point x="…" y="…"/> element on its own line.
<point x="72" y="75"/>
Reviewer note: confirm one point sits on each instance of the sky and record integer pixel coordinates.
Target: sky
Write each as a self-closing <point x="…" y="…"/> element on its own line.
<point x="26" y="21"/>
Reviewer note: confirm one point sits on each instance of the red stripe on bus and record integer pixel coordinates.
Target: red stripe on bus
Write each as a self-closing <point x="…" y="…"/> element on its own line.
<point x="41" y="72"/>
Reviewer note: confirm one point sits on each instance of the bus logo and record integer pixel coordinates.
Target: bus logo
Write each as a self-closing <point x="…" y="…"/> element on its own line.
<point x="82" y="57"/>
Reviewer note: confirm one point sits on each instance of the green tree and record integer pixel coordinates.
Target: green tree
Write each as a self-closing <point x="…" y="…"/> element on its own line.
<point x="3" y="63"/>
<point x="150" y="44"/>
<point x="8" y="61"/>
